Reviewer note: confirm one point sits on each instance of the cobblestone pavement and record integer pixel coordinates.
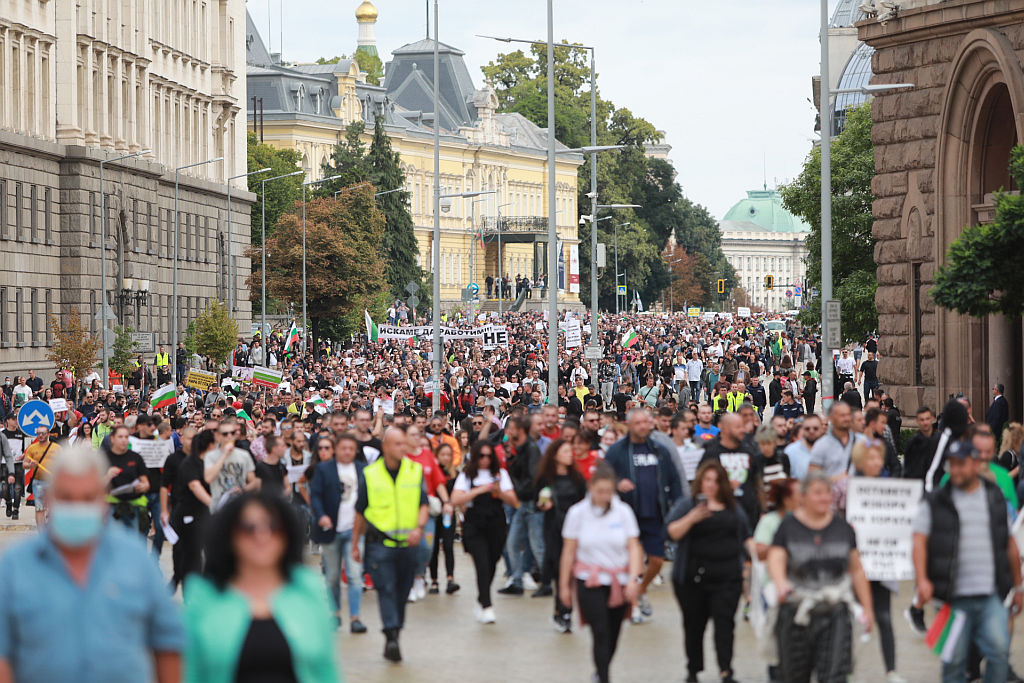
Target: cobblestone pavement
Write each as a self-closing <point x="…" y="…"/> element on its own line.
<point x="443" y="644"/>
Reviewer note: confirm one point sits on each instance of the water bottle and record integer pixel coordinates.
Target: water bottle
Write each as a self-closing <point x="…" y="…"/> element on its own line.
<point x="447" y="520"/>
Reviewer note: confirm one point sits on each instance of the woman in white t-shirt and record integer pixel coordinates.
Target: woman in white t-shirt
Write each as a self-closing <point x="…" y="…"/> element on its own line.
<point x="602" y="552"/>
<point x="482" y="488"/>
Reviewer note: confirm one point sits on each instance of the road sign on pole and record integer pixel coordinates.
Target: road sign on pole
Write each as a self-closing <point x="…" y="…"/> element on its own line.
<point x="833" y="327"/>
<point x="593" y="353"/>
<point x="622" y="290"/>
<point x="33" y="415"/>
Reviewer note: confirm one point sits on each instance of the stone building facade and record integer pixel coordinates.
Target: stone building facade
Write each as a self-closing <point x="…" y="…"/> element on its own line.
<point x="91" y="81"/>
<point x="941" y="150"/>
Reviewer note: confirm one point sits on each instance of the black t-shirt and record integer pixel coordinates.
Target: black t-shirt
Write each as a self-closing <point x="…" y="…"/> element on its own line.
<point x="870" y="370"/>
<point x="280" y="412"/>
<point x="373" y="443"/>
<point x="744" y="465"/>
<point x="816" y="557"/>
<point x="265" y="656"/>
<point x="132" y="468"/>
<point x="620" y="400"/>
<point x="271" y="476"/>
<point x="776" y="467"/>
<point x="190" y="469"/>
<point x="715" y="549"/>
<point x="170" y="476"/>
<point x="35" y="384"/>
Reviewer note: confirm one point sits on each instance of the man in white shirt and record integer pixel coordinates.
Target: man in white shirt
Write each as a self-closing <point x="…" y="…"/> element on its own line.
<point x="332" y="496"/>
<point x="694" y="369"/>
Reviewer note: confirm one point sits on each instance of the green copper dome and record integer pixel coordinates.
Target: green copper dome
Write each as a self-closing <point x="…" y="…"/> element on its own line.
<point x="762" y="211"/>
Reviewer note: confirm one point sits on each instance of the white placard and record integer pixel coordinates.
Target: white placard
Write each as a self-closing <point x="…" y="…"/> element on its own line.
<point x="743" y="312"/>
<point x="295" y="473"/>
<point x="58" y="405"/>
<point x="882" y="512"/>
<point x="573" y="335"/>
<point x="153" y="451"/>
<point x="240" y="373"/>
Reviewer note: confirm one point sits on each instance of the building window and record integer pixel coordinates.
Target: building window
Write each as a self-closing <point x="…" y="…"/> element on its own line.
<point x="3" y="316"/>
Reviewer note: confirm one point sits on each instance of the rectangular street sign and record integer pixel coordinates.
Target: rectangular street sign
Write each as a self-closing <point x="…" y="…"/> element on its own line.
<point x="832" y="311"/>
<point x="593" y="353"/>
<point x="145" y="342"/>
<point x="834" y="337"/>
<point x="622" y="290"/>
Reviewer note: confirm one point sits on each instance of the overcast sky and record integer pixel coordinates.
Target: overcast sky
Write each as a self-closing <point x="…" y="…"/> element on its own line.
<point x="727" y="80"/>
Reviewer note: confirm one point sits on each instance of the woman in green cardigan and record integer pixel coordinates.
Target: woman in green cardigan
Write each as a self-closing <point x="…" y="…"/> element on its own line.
<point x="256" y="613"/>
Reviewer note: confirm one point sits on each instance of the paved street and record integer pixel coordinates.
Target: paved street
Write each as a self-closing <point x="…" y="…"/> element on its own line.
<point x="443" y="644"/>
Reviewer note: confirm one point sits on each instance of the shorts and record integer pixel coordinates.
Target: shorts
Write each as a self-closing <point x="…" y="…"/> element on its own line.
<point x="39" y="494"/>
<point x="652" y="536"/>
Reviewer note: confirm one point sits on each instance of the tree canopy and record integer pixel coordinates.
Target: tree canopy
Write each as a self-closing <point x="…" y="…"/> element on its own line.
<point x="215" y="331"/>
<point x="74" y="347"/>
<point x="982" y="275"/>
<point x="853" y="246"/>
<point x="626" y="176"/>
<point x="282" y="193"/>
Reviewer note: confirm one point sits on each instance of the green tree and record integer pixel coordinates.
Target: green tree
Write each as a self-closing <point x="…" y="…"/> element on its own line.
<point x="122" y="354"/>
<point x="215" y="331"/>
<point x="982" y="275"/>
<point x="282" y="193"/>
<point x="370" y="64"/>
<point x="345" y="270"/>
<point x="74" y="347"/>
<point x="853" y="261"/>
<point x="400" y="245"/>
<point x="332" y="60"/>
<point x="348" y="162"/>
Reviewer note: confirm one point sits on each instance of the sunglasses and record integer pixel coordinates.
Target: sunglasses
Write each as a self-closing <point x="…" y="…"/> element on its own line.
<point x="253" y="528"/>
<point x="223" y="433"/>
<point x="326" y="448"/>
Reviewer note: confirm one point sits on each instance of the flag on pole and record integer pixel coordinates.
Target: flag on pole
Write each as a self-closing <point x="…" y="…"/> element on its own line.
<point x="242" y="414"/>
<point x="945" y="631"/>
<point x="371" y="328"/>
<point x="639" y="304"/>
<point x="630" y="338"/>
<point x="292" y="338"/>
<point x="164" y="396"/>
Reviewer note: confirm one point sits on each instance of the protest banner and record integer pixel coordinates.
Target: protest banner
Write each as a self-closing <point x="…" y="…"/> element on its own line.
<point x="573" y="335"/>
<point x="200" y="379"/>
<point x="693" y="312"/>
<point x="265" y="377"/>
<point x="743" y="311"/>
<point x="495" y="338"/>
<point x="152" y="451"/>
<point x="240" y="373"/>
<point x="882" y="511"/>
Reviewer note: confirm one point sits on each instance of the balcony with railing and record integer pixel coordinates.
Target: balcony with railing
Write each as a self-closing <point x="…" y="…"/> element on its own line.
<point x="515" y="225"/>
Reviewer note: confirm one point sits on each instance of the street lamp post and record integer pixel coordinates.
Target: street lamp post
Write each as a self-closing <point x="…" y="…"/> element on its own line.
<point x="103" y="260"/>
<point x="263" y="248"/>
<point x="231" y="258"/>
<point x="305" y="329"/>
<point x="617" y="273"/>
<point x="174" y="283"/>
<point x="501" y="283"/>
<point x="671" y="288"/>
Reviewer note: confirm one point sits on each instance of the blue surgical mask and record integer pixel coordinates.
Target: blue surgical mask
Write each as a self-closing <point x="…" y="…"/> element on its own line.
<point x="76" y="524"/>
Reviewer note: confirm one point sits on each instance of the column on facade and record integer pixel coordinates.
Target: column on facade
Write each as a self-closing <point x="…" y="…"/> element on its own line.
<point x="102" y="97"/>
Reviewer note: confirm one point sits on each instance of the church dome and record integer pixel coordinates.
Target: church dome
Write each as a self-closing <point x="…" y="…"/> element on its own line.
<point x="847" y="13"/>
<point x="366" y="12"/>
<point x="762" y="211"/>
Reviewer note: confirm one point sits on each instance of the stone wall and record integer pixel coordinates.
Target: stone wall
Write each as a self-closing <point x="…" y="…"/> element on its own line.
<point x="50" y="259"/>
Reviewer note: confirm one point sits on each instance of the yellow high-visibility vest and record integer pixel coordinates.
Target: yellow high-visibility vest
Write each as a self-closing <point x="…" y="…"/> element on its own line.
<point x="162" y="360"/>
<point x="393" y="505"/>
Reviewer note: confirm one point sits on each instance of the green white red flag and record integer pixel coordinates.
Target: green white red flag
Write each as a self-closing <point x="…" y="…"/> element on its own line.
<point x="164" y="396"/>
<point x="292" y="338"/>
<point x="945" y="631"/>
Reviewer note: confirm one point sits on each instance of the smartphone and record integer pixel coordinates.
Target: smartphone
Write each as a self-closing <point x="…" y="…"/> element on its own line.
<point x="702" y="499"/>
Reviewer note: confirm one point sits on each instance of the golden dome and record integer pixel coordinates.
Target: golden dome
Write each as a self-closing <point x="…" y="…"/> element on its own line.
<point x="366" y="12"/>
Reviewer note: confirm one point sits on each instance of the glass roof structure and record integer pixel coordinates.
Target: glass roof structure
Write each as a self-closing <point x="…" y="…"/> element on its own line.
<point x="857" y="74"/>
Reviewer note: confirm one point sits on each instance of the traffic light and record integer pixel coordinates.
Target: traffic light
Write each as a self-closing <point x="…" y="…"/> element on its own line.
<point x="769" y="282"/>
<point x="721" y="286"/>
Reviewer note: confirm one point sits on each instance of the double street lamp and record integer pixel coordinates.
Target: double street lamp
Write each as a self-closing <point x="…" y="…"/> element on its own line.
<point x="231" y="258"/>
<point x="104" y="306"/>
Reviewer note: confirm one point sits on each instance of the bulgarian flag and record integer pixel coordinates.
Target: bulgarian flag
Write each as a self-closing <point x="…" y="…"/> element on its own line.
<point x="945" y="631"/>
<point x="292" y="338"/>
<point x="630" y="338"/>
<point x="371" y="327"/>
<point x="242" y="414"/>
<point x="164" y="396"/>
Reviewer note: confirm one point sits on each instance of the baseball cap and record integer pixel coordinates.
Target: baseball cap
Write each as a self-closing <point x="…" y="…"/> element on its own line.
<point x="961" y="450"/>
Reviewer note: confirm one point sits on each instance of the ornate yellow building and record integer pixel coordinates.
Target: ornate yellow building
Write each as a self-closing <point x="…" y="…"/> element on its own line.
<point x="307" y="107"/>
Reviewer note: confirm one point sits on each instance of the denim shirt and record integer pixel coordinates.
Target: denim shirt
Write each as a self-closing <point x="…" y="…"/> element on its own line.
<point x="53" y="629"/>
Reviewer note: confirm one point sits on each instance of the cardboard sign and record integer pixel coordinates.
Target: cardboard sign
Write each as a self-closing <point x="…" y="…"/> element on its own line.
<point x="882" y="513"/>
<point x="265" y="377"/>
<point x="573" y="336"/>
<point x="693" y="312"/>
<point x="200" y="379"/>
<point x="153" y="451"/>
<point x="743" y="311"/>
<point x="495" y="338"/>
<point x="58" y="405"/>
<point x="241" y="373"/>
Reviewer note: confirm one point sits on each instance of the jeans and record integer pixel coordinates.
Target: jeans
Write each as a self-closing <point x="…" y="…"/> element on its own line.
<point x="527" y="527"/>
<point x="425" y="547"/>
<point x="445" y="537"/>
<point x="14" y="491"/>
<point x="332" y="555"/>
<point x="695" y="391"/>
<point x="868" y="388"/>
<point x="987" y="627"/>
<point x="153" y="506"/>
<point x="392" y="572"/>
<point x="605" y="624"/>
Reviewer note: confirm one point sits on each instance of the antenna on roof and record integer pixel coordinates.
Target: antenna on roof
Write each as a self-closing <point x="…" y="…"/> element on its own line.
<point x="427" y="4"/>
<point x="764" y="169"/>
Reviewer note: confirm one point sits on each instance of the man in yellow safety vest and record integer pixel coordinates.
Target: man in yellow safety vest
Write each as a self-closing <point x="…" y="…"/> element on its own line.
<point x="391" y="510"/>
<point x="163" y="366"/>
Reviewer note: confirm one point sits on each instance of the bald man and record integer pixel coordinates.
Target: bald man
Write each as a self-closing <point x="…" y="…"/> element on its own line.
<point x="742" y="462"/>
<point x="391" y="509"/>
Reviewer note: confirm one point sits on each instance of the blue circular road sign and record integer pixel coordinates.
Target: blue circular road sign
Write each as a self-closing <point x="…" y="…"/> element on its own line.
<point x="798" y="290"/>
<point x="33" y="415"/>
<point x="474" y="287"/>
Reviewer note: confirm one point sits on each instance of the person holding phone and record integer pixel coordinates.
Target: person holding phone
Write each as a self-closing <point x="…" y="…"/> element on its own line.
<point x="711" y="531"/>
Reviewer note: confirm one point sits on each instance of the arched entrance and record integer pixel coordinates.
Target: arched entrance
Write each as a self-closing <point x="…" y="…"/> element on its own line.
<point x="981" y="122"/>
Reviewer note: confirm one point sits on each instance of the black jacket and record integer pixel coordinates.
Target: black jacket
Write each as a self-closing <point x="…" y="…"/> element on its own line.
<point x="944" y="540"/>
<point x="670" y="487"/>
<point x="522" y="468"/>
<point x="997" y="415"/>
<point x="918" y="455"/>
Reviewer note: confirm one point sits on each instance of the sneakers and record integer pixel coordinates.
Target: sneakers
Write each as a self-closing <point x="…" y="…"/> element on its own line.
<point x="915" y="617"/>
<point x="543" y="592"/>
<point x="644" y="603"/>
<point x="367" y="582"/>
<point x="893" y="677"/>
<point x="9" y="511"/>
<point x="511" y="589"/>
<point x="357" y="626"/>
<point x="434" y="590"/>
<point x="485" y="615"/>
<point x="636" y="616"/>
<point x="419" y="585"/>
<point x="451" y="588"/>
<point x="562" y="623"/>
<point x="529" y="583"/>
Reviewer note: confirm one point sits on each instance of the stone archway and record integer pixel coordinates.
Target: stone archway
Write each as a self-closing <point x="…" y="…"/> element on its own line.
<point x="982" y="118"/>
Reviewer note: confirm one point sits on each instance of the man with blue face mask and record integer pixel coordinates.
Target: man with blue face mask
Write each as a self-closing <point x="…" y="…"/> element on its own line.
<point x="89" y="586"/>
